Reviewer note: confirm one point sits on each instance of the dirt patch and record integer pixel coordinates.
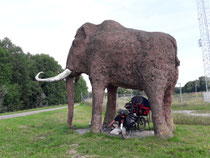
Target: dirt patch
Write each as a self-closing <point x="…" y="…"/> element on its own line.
<point x="142" y="134"/>
<point x="23" y="127"/>
<point x="74" y="154"/>
<point x="134" y="134"/>
<point x="82" y="131"/>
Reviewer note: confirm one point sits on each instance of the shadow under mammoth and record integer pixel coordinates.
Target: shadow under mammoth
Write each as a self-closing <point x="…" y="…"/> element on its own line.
<point x="134" y="134"/>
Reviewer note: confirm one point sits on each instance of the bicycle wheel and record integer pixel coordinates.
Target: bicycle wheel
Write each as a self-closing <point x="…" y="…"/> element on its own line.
<point x="141" y="123"/>
<point x="125" y="133"/>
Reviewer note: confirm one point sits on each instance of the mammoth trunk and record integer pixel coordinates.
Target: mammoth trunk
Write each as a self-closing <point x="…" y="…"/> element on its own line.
<point x="70" y="99"/>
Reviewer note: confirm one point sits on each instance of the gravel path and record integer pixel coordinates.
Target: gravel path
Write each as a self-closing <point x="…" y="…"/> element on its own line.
<point x="191" y="113"/>
<point x="29" y="113"/>
<point x="32" y="112"/>
<point x="187" y="112"/>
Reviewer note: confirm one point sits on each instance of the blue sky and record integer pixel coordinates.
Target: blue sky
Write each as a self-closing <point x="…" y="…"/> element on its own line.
<point x="49" y="26"/>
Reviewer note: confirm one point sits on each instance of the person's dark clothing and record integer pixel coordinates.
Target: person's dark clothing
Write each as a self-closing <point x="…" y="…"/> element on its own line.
<point x="118" y="119"/>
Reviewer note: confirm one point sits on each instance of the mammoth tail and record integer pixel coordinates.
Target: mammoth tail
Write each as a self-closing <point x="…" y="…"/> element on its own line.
<point x="177" y="62"/>
<point x="173" y="41"/>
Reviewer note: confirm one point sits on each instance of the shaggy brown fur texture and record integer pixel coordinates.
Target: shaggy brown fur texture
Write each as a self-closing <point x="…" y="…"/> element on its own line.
<point x="114" y="56"/>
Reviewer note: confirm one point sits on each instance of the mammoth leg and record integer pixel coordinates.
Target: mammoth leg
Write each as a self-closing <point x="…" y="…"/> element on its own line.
<point x="111" y="104"/>
<point x="167" y="108"/>
<point x="70" y="99"/>
<point x="98" y="95"/>
<point x="156" y="102"/>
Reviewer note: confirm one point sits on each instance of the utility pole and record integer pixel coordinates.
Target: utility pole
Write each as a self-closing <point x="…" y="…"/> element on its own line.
<point x="196" y="91"/>
<point x="180" y="92"/>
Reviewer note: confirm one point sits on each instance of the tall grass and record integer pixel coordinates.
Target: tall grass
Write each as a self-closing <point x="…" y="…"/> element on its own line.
<point x="181" y="119"/>
<point x="191" y="101"/>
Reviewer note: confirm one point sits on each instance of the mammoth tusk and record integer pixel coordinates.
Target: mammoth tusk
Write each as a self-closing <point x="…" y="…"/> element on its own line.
<point x="59" y="77"/>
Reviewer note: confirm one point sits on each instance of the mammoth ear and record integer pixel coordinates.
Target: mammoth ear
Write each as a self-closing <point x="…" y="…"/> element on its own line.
<point x="81" y="33"/>
<point x="85" y="31"/>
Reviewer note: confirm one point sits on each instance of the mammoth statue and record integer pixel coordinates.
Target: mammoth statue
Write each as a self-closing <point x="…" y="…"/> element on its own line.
<point x="115" y="56"/>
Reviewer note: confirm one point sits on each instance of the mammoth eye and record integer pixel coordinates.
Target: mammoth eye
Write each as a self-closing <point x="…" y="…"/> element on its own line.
<point x="83" y="33"/>
<point x="74" y="43"/>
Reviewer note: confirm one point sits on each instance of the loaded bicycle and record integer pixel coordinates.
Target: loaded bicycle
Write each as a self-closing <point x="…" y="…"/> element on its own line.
<point x="136" y="118"/>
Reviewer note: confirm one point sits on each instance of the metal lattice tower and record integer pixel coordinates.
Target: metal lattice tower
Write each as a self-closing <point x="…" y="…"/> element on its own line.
<point x="203" y="7"/>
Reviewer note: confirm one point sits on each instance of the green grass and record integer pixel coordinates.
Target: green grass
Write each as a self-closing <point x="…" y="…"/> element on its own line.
<point x="46" y="135"/>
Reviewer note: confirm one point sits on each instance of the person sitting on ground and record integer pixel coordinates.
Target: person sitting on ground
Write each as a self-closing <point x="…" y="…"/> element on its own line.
<point x="116" y="122"/>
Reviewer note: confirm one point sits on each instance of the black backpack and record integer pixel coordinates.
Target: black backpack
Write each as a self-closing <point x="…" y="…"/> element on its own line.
<point x="130" y="121"/>
<point x="138" y="105"/>
<point x="140" y="100"/>
<point x="137" y="99"/>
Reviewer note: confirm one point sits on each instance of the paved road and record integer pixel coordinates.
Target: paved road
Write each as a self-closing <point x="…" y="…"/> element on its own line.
<point x="29" y="113"/>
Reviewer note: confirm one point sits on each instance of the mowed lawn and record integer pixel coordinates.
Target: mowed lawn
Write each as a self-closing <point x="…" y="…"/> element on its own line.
<point x="46" y="135"/>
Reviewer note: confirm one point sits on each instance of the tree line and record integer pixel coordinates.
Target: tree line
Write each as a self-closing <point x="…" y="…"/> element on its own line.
<point x="18" y="88"/>
<point x="193" y="86"/>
